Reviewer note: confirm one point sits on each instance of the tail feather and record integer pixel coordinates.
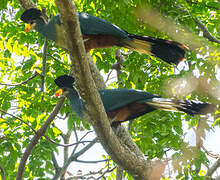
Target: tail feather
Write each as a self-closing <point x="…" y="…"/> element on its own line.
<point x="188" y="106"/>
<point x="168" y="51"/>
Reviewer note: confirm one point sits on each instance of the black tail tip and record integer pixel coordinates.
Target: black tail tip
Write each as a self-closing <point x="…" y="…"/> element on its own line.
<point x="64" y="81"/>
<point x="30" y="14"/>
<point x="169" y="51"/>
<point x="207" y="108"/>
<point x="197" y="107"/>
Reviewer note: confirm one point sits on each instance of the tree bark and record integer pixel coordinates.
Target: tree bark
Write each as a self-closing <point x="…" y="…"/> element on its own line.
<point x="121" y="148"/>
<point x="123" y="154"/>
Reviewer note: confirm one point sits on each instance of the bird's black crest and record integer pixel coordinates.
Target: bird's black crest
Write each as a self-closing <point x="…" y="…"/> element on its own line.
<point x="30" y="14"/>
<point x="64" y="81"/>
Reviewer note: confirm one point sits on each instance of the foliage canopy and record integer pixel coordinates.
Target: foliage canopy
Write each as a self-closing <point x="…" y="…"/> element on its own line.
<point x="24" y="93"/>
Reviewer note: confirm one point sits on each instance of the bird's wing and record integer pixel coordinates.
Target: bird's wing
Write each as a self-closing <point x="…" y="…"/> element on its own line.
<point x="92" y="25"/>
<point x="117" y="98"/>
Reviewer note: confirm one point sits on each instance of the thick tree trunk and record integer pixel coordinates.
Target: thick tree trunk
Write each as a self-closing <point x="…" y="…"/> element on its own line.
<point x="120" y="147"/>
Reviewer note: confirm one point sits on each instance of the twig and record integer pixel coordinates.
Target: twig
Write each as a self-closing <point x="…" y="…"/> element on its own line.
<point x="2" y="173"/>
<point x="63" y="118"/>
<point x="66" y="149"/>
<point x="58" y="60"/>
<point x="212" y="169"/>
<point x="44" y="66"/>
<point x="120" y="60"/>
<point x="202" y="27"/>
<point x="76" y="177"/>
<point x="98" y="161"/>
<point x="50" y="140"/>
<point x="90" y="174"/>
<point x="196" y="3"/>
<point x="19" y="119"/>
<point x="216" y="156"/>
<point x="73" y="157"/>
<point x="66" y="145"/>
<point x="24" y="82"/>
<point x="205" y="31"/>
<point x="75" y="133"/>
<point x="107" y="171"/>
<point x="36" y="138"/>
<point x="107" y="79"/>
<point x="198" y="133"/>
<point x="85" y="135"/>
<point x="74" y="150"/>
<point x="55" y="163"/>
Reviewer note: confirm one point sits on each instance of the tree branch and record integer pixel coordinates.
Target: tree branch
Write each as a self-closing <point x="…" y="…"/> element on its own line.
<point x="75" y="133"/>
<point x="19" y="119"/>
<point x="44" y="66"/>
<point x="74" y="150"/>
<point x="120" y="153"/>
<point x="88" y="162"/>
<point x="50" y="140"/>
<point x="36" y="137"/>
<point x="205" y="31"/>
<point x="57" y="60"/>
<point x="196" y="3"/>
<point x="2" y="173"/>
<point x="198" y="132"/>
<point x="55" y="163"/>
<point x="216" y="156"/>
<point x="120" y="60"/>
<point x="212" y="169"/>
<point x="66" y="149"/>
<point x="92" y="173"/>
<point x="73" y="157"/>
<point x="202" y="27"/>
<point x="107" y="171"/>
<point x="24" y="82"/>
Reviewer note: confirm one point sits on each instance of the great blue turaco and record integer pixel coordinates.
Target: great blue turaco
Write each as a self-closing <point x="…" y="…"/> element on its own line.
<point x="99" y="33"/>
<point x="127" y="104"/>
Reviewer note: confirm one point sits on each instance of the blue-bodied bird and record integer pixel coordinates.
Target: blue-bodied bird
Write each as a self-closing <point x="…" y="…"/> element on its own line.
<point x="98" y="33"/>
<point x="127" y="104"/>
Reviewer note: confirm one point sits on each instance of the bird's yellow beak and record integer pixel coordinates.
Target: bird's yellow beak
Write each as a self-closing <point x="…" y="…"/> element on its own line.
<point x="59" y="92"/>
<point x="27" y="27"/>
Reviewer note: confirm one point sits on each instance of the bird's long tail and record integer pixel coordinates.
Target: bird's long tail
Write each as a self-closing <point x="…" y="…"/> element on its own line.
<point x="188" y="106"/>
<point x="168" y="51"/>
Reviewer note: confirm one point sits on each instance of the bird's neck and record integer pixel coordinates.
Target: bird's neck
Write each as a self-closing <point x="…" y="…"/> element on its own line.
<point x="76" y="102"/>
<point x="40" y="23"/>
<point x="48" y="30"/>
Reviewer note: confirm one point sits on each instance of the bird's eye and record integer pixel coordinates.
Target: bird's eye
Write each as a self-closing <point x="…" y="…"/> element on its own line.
<point x="65" y="89"/>
<point x="32" y="22"/>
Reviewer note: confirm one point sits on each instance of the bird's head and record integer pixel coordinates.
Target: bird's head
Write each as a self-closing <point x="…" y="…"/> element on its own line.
<point x="65" y="83"/>
<point x="30" y="16"/>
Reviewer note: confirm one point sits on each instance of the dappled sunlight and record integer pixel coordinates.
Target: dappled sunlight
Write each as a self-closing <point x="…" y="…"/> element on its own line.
<point x="185" y="85"/>
<point x="180" y="34"/>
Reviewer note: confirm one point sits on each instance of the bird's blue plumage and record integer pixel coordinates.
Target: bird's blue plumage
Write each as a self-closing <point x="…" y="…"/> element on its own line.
<point x="99" y="33"/>
<point x="92" y="25"/>
<point x="76" y="102"/>
<point x="127" y="104"/>
<point x="47" y="30"/>
<point x="116" y="98"/>
<point x="112" y="99"/>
